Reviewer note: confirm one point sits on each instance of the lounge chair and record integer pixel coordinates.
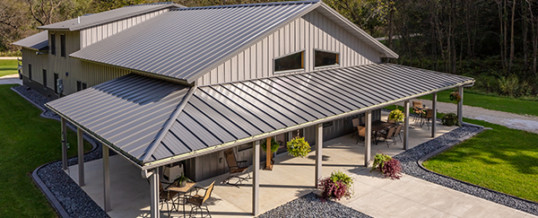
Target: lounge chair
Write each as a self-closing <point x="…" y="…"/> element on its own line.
<point x="198" y="201"/>
<point x="235" y="168"/>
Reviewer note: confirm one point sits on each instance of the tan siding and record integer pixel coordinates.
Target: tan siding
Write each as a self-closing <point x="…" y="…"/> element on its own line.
<point x="312" y="31"/>
<point x="95" y="34"/>
<point x="38" y="62"/>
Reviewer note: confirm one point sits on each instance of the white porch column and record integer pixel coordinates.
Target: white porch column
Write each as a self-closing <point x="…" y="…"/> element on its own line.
<point x="64" y="143"/>
<point x="154" y="192"/>
<point x="319" y="154"/>
<point x="434" y="108"/>
<point x="256" y="178"/>
<point x="368" y="138"/>
<point x="106" y="179"/>
<point x="80" y="141"/>
<point x="460" y="106"/>
<point x="406" y="126"/>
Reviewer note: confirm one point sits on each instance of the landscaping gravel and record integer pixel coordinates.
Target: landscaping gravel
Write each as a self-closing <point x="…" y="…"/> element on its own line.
<point x="411" y="164"/>
<point x="311" y="206"/>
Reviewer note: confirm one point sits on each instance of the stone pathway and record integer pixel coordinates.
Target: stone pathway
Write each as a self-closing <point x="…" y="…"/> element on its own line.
<point x="10" y="79"/>
<point x="515" y="121"/>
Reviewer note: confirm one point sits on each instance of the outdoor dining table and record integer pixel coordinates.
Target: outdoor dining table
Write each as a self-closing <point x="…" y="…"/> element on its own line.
<point x="181" y="191"/>
<point x="378" y="126"/>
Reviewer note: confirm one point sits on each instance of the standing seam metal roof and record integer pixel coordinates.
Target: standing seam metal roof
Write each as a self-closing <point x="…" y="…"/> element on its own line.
<point x="38" y="41"/>
<point x="131" y="111"/>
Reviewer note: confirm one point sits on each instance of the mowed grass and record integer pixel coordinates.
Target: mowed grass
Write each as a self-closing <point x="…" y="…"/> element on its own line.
<point x="492" y="102"/>
<point x="26" y="142"/>
<point x="502" y="159"/>
<point x="8" y="67"/>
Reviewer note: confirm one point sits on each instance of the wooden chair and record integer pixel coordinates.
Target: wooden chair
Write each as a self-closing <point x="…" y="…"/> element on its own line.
<point x="418" y="108"/>
<point x="198" y="201"/>
<point x="166" y="197"/>
<point x="398" y="131"/>
<point x="389" y="134"/>
<point x="235" y="168"/>
<point x="428" y="117"/>
<point x="355" y="122"/>
<point x="361" y="133"/>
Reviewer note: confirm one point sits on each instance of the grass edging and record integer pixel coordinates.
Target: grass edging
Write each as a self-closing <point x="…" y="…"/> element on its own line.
<point x="54" y="203"/>
<point x="421" y="160"/>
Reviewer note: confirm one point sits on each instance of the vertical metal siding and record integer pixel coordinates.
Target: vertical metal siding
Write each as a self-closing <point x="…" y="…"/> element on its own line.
<point x="95" y="34"/>
<point x="310" y="32"/>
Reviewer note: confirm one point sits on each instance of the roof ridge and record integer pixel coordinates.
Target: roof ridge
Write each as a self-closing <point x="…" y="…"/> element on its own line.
<point x="149" y="4"/>
<point x="247" y="5"/>
<point x="162" y="133"/>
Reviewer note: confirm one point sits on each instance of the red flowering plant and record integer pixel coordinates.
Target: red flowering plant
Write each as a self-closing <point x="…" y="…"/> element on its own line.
<point x="336" y="186"/>
<point x="387" y="165"/>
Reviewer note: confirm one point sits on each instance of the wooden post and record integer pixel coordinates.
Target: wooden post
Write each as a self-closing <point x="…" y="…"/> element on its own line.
<point x="269" y="154"/>
<point x="256" y="178"/>
<point x="434" y="108"/>
<point x="406" y="125"/>
<point x="80" y="143"/>
<point x="64" y="143"/>
<point x="460" y="106"/>
<point x="368" y="138"/>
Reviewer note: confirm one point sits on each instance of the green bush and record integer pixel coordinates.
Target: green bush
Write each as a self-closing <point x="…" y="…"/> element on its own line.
<point x="342" y="177"/>
<point x="509" y="85"/>
<point x="274" y="145"/>
<point x="379" y="161"/>
<point x="450" y="119"/>
<point x="396" y="115"/>
<point x="298" y="147"/>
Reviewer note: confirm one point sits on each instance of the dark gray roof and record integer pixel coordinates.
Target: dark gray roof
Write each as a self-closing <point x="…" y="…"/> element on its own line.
<point x="221" y="114"/>
<point x="38" y="41"/>
<point x="183" y="43"/>
<point x="128" y="112"/>
<point x="91" y="20"/>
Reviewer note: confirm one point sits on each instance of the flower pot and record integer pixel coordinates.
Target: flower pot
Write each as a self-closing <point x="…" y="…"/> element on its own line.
<point x="182" y="183"/>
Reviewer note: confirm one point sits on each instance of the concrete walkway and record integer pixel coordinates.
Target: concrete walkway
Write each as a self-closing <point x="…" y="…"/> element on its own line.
<point x="9" y="58"/>
<point x="515" y="121"/>
<point x="10" y="79"/>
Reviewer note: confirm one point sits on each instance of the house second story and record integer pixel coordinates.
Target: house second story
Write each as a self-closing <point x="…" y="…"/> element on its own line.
<point x="203" y="46"/>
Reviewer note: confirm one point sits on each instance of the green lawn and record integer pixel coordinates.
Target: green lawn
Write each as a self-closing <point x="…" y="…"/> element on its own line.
<point x="492" y="102"/>
<point x="502" y="159"/>
<point x="27" y="141"/>
<point x="8" y="67"/>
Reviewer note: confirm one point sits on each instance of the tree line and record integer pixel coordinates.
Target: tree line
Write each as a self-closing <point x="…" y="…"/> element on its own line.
<point x="494" y="41"/>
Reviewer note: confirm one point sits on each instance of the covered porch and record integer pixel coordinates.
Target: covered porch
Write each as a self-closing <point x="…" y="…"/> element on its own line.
<point x="289" y="179"/>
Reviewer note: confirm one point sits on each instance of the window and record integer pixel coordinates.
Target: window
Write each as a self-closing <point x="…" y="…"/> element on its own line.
<point x="81" y="86"/>
<point x="44" y="77"/>
<point x="62" y="45"/>
<point x="290" y="62"/>
<point x="323" y="58"/>
<point x="56" y="83"/>
<point x="84" y="86"/>
<point x="52" y="44"/>
<point x="30" y="71"/>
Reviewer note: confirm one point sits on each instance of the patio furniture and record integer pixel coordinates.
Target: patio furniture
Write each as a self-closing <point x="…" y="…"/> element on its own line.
<point x="378" y="127"/>
<point x="418" y="109"/>
<point x="235" y="168"/>
<point x="356" y="124"/>
<point x="389" y="134"/>
<point x="361" y="132"/>
<point x="198" y="201"/>
<point x="180" y="192"/>
<point x="428" y="116"/>
<point x="398" y="131"/>
<point x="166" y="197"/>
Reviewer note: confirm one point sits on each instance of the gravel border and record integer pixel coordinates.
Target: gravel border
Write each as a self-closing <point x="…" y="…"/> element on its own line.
<point x="64" y="194"/>
<point x="412" y="159"/>
<point x="311" y="206"/>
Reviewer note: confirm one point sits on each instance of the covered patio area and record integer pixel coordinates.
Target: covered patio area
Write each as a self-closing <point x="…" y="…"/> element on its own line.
<point x="289" y="179"/>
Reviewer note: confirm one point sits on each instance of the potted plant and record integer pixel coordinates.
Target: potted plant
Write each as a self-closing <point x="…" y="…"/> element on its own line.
<point x="396" y="115"/>
<point x="387" y="165"/>
<point x="182" y="180"/>
<point x="298" y="147"/>
<point x="274" y="147"/>
<point x="455" y="96"/>
<point x="336" y="186"/>
<point x="450" y="119"/>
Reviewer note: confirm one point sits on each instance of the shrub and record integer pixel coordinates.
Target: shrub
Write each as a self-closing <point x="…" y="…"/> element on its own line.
<point x="396" y="115"/>
<point x="274" y="145"/>
<point x="450" y="119"/>
<point x="387" y="165"/>
<point x="298" y="147"/>
<point x="509" y="85"/>
<point x="336" y="186"/>
<point x="392" y="169"/>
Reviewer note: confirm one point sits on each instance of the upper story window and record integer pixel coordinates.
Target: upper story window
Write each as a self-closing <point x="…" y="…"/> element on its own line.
<point x="52" y="44"/>
<point x="30" y="71"/>
<point x="291" y="62"/>
<point x="323" y="58"/>
<point x="62" y="45"/>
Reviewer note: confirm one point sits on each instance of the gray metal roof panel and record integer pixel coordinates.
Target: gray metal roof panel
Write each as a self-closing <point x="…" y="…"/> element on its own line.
<point x="183" y="43"/>
<point x="38" y="41"/>
<point x="91" y="20"/>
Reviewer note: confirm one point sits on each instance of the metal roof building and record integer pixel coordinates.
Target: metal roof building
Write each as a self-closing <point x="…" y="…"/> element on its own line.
<point x="38" y="41"/>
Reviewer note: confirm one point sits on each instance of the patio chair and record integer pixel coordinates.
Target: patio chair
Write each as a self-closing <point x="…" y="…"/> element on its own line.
<point x="389" y="134"/>
<point x="355" y="122"/>
<point x="235" y="168"/>
<point x="361" y="133"/>
<point x="166" y="197"/>
<point x="398" y="131"/>
<point x="428" y="117"/>
<point x="418" y="108"/>
<point x="198" y="201"/>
